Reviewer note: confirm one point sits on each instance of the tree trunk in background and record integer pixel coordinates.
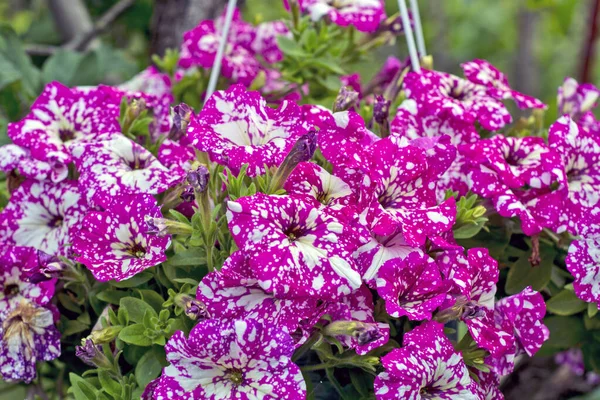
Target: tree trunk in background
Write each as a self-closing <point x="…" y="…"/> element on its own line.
<point x="172" y="18"/>
<point x="72" y="19"/>
<point x="526" y="77"/>
<point x="589" y="45"/>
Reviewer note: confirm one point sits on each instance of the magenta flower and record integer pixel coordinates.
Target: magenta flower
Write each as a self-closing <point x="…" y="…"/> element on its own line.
<point x="575" y="99"/>
<point x="150" y="81"/>
<point x="450" y="97"/>
<point x="474" y="279"/>
<point x="483" y="73"/>
<point x="236" y="127"/>
<point x="583" y="262"/>
<point x="412" y="286"/>
<point x="580" y="154"/>
<point x="427" y="366"/>
<point x="234" y="293"/>
<point x="265" y="42"/>
<point x="400" y="193"/>
<point x="488" y="385"/>
<point x="293" y="248"/>
<point x="13" y="157"/>
<point x="120" y="166"/>
<point x="241" y="359"/>
<point x="522" y="313"/>
<point x="42" y="215"/>
<point x="364" y="15"/>
<point x="114" y="244"/>
<point x="200" y="46"/>
<point x="61" y="117"/>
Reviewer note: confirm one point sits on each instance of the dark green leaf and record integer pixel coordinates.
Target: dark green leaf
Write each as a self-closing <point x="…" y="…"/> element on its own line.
<point x="81" y="389"/>
<point x="565" y="303"/>
<point x="134" y="281"/>
<point x="134" y="334"/>
<point x="150" y="365"/>
<point x="71" y="327"/>
<point x="136" y="308"/>
<point x="290" y="48"/>
<point x="565" y="332"/>
<point x="522" y="274"/>
<point x="112" y="296"/>
<point x="111" y="386"/>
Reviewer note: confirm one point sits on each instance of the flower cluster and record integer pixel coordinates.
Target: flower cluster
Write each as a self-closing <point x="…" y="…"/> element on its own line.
<point x="254" y="246"/>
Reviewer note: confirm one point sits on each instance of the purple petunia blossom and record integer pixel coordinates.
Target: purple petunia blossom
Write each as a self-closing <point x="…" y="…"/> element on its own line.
<point x="427" y="366"/>
<point x="150" y="81"/>
<point x="483" y="73"/>
<point x="365" y="15"/>
<point x="523" y="314"/>
<point x="240" y="359"/>
<point x="583" y="262"/>
<point x="27" y="335"/>
<point x="42" y="215"/>
<point x="293" y="248"/>
<point x="15" y="158"/>
<point x="474" y="279"/>
<point x="265" y="42"/>
<point x="488" y="385"/>
<point x="114" y="244"/>
<point x="236" y="127"/>
<point x="412" y="286"/>
<point x="200" y="46"/>
<point x="580" y="154"/>
<point x="61" y="117"/>
<point x="120" y="166"/>
<point x="575" y="98"/>
<point x="234" y="293"/>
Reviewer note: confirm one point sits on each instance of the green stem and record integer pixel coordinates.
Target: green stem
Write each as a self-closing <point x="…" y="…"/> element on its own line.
<point x="306" y="346"/>
<point x="318" y="367"/>
<point x="335" y="383"/>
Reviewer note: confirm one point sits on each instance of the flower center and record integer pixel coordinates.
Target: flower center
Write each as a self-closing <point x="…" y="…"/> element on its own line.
<point x="137" y="251"/>
<point x="236" y="376"/>
<point x="293" y="233"/>
<point x="56" y="221"/>
<point x="66" y="134"/>
<point x="137" y="164"/>
<point x="11" y="290"/>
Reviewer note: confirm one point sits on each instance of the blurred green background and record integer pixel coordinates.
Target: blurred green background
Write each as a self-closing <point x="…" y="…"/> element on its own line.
<point x="535" y="42"/>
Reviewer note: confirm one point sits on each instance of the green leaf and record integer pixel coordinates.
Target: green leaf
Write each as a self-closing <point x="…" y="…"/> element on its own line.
<point x="137" y="308"/>
<point x="150" y="365"/>
<point x="467" y="231"/>
<point x="15" y="59"/>
<point x="565" y="332"/>
<point x="290" y="48"/>
<point x="81" y="389"/>
<point x="112" y="296"/>
<point x="522" y="274"/>
<point x="193" y="256"/>
<point x="71" y="327"/>
<point x="134" y="334"/>
<point x="592" y="310"/>
<point x="154" y="299"/>
<point x="62" y="66"/>
<point x="134" y="281"/>
<point x="179" y="216"/>
<point x="111" y="386"/>
<point x="565" y="303"/>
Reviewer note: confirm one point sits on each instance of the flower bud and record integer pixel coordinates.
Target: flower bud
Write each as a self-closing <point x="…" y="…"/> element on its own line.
<point x="187" y="194"/>
<point x="381" y="109"/>
<point x="162" y="227"/>
<point x="198" y="178"/>
<point x="346" y="99"/>
<point x="303" y="150"/>
<point x="363" y="332"/>
<point x="192" y="307"/>
<point x="91" y="354"/>
<point x="105" y="335"/>
<point x="182" y="114"/>
<point x="472" y="310"/>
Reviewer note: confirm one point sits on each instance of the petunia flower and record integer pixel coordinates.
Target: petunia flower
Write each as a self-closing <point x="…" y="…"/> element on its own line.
<point x="241" y="359"/>
<point x="474" y="277"/>
<point x="120" y="166"/>
<point x="575" y="99"/>
<point x="364" y="15"/>
<point x="583" y="262"/>
<point x="61" y="117"/>
<point x="412" y="287"/>
<point x="236" y="127"/>
<point x="27" y="335"/>
<point x="523" y="313"/>
<point x="579" y="151"/>
<point x="483" y="73"/>
<point x="16" y="158"/>
<point x="200" y="46"/>
<point x="114" y="244"/>
<point x="234" y="293"/>
<point x="42" y="215"/>
<point x="293" y="248"/>
<point x="427" y="366"/>
<point x="150" y="81"/>
<point x="488" y="385"/>
<point x="265" y="42"/>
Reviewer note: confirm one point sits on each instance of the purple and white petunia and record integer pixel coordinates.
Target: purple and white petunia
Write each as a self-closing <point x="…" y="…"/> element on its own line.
<point x="120" y="166"/>
<point x="294" y="248"/>
<point x="150" y="81"/>
<point x="61" y="117"/>
<point x="233" y="293"/>
<point x="412" y="287"/>
<point x="114" y="244"/>
<point x="16" y="158"/>
<point x="365" y="15"/>
<point x="427" y="366"/>
<point x="483" y="73"/>
<point x="575" y="99"/>
<point x="42" y="215"/>
<point x="240" y="359"/>
<point x="236" y="127"/>
<point x="583" y="262"/>
<point x="580" y="154"/>
<point x="265" y="42"/>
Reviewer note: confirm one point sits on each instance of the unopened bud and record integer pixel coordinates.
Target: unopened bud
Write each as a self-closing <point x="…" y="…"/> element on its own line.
<point x="91" y="354"/>
<point x="198" y="178"/>
<point x="381" y="109"/>
<point x="182" y="114"/>
<point x="363" y="332"/>
<point x="105" y="335"/>
<point x="187" y="194"/>
<point x="479" y="211"/>
<point x="472" y="310"/>
<point x="303" y="150"/>
<point x="346" y="99"/>
<point x="192" y="307"/>
<point x="162" y="227"/>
